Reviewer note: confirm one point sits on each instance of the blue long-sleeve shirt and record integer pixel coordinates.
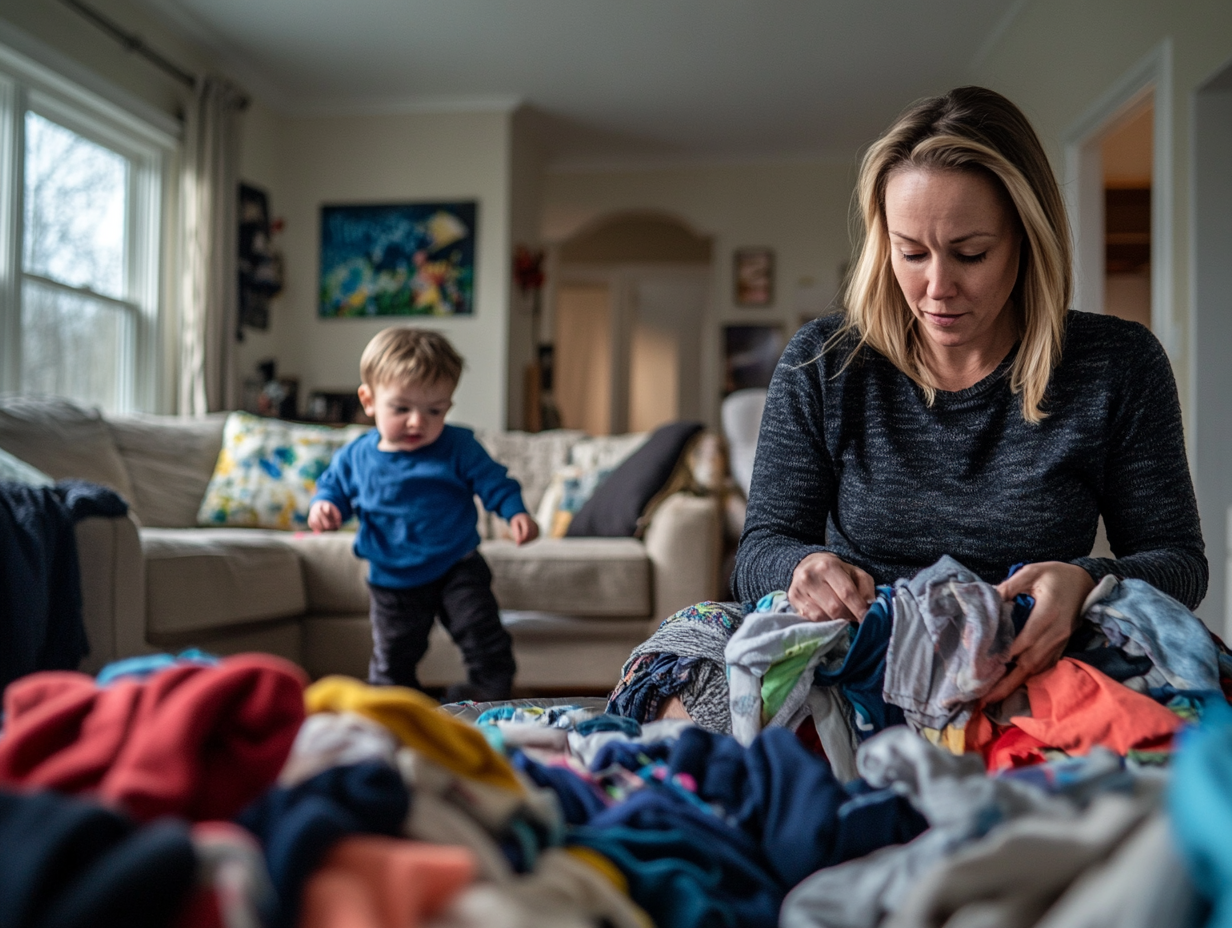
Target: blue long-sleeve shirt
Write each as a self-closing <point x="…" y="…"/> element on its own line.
<point x="416" y="509"/>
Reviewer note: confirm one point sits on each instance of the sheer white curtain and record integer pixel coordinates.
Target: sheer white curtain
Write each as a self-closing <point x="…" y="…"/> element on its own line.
<point x="208" y="289"/>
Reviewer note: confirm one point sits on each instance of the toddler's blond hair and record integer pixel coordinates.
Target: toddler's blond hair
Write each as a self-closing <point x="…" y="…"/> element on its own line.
<point x="404" y="354"/>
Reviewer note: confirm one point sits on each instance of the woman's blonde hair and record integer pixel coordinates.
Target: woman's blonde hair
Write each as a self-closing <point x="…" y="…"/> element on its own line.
<point x="979" y="131"/>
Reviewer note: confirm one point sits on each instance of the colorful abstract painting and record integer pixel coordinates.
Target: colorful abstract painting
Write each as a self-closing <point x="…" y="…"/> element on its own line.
<point x="410" y="259"/>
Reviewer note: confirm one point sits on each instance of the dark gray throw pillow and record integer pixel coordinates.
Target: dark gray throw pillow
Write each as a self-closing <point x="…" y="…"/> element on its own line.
<point x="613" y="510"/>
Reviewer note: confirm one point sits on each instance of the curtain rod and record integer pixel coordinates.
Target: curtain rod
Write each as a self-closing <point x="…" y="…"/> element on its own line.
<point x="133" y="43"/>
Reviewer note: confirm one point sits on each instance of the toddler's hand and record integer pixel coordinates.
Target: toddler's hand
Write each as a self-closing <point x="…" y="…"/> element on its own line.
<point x="523" y="528"/>
<point x="324" y="517"/>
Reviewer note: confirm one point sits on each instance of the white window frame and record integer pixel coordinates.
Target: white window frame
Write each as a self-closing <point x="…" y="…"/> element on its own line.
<point x="28" y="85"/>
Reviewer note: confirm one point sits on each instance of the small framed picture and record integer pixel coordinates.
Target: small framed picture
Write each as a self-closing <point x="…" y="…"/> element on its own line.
<point x="750" y="354"/>
<point x="754" y="276"/>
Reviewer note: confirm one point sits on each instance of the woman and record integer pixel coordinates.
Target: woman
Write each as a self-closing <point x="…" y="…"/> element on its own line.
<point x="958" y="407"/>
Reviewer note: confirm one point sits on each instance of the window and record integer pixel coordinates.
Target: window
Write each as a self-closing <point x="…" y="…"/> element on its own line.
<point x="81" y="193"/>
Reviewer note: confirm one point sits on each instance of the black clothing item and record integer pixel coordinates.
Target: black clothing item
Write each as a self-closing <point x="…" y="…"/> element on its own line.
<point x="853" y="461"/>
<point x="462" y="599"/>
<point x="40" y="578"/>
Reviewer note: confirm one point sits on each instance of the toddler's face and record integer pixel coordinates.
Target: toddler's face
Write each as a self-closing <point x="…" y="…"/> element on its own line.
<point x="409" y="416"/>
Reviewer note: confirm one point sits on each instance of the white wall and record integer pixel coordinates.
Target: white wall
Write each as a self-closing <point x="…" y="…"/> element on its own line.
<point x="799" y="209"/>
<point x="310" y="161"/>
<point x="1057" y="59"/>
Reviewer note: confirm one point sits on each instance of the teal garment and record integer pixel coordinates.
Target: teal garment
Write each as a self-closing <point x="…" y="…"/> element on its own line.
<point x="1200" y="800"/>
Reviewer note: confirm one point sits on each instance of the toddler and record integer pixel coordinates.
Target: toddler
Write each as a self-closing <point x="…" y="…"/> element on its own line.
<point x="411" y="481"/>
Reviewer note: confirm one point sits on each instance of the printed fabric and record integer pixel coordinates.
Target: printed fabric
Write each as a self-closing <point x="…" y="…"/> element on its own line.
<point x="950" y="643"/>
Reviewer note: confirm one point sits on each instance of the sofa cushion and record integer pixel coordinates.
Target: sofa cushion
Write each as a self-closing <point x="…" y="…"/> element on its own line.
<point x="615" y="507"/>
<point x="530" y="456"/>
<point x="199" y="579"/>
<point x="169" y="460"/>
<point x="572" y="576"/>
<point x="335" y="580"/>
<point x="267" y="471"/>
<point x="62" y="440"/>
<point x="18" y="471"/>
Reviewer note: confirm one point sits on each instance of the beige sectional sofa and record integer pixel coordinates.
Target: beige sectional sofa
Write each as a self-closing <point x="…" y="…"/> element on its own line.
<point x="156" y="581"/>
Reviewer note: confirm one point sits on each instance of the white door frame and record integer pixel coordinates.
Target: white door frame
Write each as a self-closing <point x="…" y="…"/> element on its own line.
<point x="1084" y="188"/>
<point x="1210" y="334"/>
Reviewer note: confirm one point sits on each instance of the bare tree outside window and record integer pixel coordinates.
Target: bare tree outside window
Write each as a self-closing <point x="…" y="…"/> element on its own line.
<point x="75" y="316"/>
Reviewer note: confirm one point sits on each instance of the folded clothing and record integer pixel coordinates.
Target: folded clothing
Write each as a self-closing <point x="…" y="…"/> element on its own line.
<point x="195" y="741"/>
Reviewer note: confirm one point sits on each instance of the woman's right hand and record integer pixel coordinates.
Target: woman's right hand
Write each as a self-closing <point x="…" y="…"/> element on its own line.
<point x="825" y="587"/>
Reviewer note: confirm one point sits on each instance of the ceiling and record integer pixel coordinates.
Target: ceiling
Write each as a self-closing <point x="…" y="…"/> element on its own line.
<point x="612" y="81"/>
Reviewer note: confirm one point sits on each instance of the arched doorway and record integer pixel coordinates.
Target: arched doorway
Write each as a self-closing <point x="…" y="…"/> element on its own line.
<point x="628" y="322"/>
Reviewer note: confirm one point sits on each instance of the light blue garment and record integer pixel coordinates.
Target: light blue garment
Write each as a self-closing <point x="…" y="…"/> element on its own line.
<point x="1200" y="800"/>
<point x="949" y="646"/>
<point x="1173" y="638"/>
<point x="146" y="665"/>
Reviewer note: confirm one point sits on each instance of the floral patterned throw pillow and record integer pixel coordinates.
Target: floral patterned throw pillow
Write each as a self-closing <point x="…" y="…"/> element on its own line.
<point x="267" y="471"/>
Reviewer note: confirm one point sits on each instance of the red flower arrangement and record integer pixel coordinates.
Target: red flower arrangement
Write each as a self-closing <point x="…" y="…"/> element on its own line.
<point x="528" y="269"/>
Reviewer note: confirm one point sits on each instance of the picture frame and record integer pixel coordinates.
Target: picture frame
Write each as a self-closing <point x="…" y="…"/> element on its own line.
<point x="753" y="276"/>
<point x="398" y="259"/>
<point x="750" y="354"/>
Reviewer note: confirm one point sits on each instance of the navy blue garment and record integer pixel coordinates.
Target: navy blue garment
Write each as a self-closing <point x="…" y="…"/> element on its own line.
<point x="579" y="800"/>
<point x="685" y="866"/>
<point x="862" y="674"/>
<point x="298" y="826"/>
<point x="873" y="819"/>
<point x="609" y="722"/>
<point x="781" y="796"/>
<point x="65" y="863"/>
<point x="631" y="755"/>
<point x="665" y="677"/>
<point x="40" y="578"/>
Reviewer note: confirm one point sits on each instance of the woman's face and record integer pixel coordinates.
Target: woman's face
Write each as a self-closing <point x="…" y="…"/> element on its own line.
<point x="954" y="246"/>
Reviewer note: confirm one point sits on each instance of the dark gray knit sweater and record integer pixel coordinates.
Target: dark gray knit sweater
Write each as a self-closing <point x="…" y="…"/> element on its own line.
<point x="855" y="462"/>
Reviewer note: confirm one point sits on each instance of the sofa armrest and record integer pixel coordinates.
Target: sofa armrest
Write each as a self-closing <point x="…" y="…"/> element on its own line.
<point x="112" y="589"/>
<point x="684" y="544"/>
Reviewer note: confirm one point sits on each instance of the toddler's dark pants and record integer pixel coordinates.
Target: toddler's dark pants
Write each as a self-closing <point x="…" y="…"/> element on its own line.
<point x="462" y="598"/>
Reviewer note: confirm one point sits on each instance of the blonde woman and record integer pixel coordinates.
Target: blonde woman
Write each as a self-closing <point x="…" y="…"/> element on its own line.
<point x="957" y="406"/>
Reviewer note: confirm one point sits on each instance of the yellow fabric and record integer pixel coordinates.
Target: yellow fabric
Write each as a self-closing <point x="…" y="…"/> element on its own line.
<point x="596" y="860"/>
<point x="419" y="724"/>
<point x="951" y="738"/>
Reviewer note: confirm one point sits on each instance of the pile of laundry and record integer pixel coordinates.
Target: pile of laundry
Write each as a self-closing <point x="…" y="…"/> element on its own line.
<point x="862" y="784"/>
<point x="926" y="654"/>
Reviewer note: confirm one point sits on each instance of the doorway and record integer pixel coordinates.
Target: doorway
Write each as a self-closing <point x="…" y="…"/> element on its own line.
<point x="629" y="321"/>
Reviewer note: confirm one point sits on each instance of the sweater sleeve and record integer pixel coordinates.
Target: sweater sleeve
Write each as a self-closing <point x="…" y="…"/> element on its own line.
<point x="794" y="483"/>
<point x="1148" y="502"/>
<point x="335" y="485"/>
<point x="490" y="480"/>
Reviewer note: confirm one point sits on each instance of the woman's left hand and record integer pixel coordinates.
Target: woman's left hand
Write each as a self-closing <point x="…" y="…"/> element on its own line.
<point x="1059" y="590"/>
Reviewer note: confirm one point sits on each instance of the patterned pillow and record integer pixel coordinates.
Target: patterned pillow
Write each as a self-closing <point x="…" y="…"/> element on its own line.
<point x="267" y="471"/>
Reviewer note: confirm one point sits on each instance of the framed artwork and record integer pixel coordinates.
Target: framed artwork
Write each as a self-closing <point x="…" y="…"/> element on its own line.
<point x="260" y="267"/>
<point x="403" y="259"/>
<point x="750" y="353"/>
<point x="753" y="276"/>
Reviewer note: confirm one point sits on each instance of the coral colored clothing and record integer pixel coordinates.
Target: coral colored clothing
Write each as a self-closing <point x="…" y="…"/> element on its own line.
<point x="198" y="742"/>
<point x="417" y="721"/>
<point x="374" y="882"/>
<point x="1075" y="707"/>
